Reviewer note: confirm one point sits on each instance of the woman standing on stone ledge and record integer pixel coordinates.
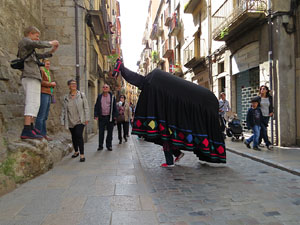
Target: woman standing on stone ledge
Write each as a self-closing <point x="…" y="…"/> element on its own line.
<point x="74" y="116"/>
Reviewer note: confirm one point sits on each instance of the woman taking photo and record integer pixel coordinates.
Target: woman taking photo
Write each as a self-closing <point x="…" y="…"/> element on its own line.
<point x="75" y="115"/>
<point x="266" y="105"/>
<point x="123" y="118"/>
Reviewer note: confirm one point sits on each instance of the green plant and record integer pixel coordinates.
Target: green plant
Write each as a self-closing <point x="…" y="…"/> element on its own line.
<point x="154" y="55"/>
<point x="7" y="167"/>
<point x="224" y="32"/>
<point x="113" y="58"/>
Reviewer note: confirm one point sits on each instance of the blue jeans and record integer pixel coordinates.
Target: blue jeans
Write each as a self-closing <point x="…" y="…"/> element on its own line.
<point x="264" y="131"/>
<point x="40" y="122"/>
<point x="255" y="136"/>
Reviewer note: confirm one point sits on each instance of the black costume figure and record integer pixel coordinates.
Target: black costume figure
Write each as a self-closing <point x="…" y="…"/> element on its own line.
<point x="173" y="110"/>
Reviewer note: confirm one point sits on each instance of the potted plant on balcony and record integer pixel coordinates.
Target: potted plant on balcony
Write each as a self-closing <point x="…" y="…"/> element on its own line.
<point x="155" y="57"/>
<point x="178" y="70"/>
<point x="224" y="32"/>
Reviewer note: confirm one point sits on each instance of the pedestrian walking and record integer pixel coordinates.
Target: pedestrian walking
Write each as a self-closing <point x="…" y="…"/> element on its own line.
<point x="74" y="116"/>
<point x="177" y="114"/>
<point x="47" y="87"/>
<point x="254" y="120"/>
<point x="223" y="108"/>
<point x="123" y="118"/>
<point x="266" y="105"/>
<point x="31" y="77"/>
<point x="105" y="112"/>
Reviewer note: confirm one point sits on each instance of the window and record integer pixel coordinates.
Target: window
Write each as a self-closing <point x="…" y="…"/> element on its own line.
<point x="221" y="67"/>
<point x="221" y="85"/>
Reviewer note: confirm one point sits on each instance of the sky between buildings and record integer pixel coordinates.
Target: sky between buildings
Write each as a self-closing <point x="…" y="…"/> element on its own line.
<point x="133" y="21"/>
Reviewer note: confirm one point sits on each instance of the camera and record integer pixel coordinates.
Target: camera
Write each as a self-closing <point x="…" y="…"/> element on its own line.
<point x="40" y="64"/>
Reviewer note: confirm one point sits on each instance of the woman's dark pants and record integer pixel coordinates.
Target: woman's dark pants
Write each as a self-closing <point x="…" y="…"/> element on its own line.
<point x="77" y="138"/>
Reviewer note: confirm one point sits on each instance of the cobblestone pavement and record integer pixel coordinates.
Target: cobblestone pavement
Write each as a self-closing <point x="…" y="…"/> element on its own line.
<point x="239" y="192"/>
<point x="127" y="187"/>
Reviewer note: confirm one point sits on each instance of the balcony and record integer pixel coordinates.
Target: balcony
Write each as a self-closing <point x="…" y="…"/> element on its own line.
<point x="231" y="19"/>
<point x="167" y="16"/>
<point x="155" y="32"/>
<point x="105" y="44"/>
<point x="175" y="25"/>
<point x="190" y="59"/>
<point x="167" y="51"/>
<point x="98" y="20"/>
<point x="191" y="6"/>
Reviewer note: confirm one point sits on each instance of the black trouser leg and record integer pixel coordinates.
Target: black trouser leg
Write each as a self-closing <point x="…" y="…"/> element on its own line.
<point x="109" y="137"/>
<point x="119" y="125"/>
<point x="79" y="135"/>
<point x="102" y="124"/>
<point x="77" y="138"/>
<point x="125" y="130"/>
<point x="74" y="139"/>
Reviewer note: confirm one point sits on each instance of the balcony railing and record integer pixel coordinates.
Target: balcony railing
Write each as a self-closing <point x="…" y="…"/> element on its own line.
<point x="167" y="52"/>
<point x="175" y="25"/>
<point x="189" y="52"/>
<point x="234" y="15"/>
<point x="191" y="58"/>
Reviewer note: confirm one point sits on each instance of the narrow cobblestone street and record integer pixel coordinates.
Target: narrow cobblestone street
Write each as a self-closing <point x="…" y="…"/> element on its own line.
<point x="127" y="186"/>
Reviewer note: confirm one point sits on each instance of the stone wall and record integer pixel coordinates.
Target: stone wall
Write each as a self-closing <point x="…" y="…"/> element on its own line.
<point x="14" y="17"/>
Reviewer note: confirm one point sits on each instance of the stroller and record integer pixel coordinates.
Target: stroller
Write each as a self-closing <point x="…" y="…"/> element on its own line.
<point x="234" y="129"/>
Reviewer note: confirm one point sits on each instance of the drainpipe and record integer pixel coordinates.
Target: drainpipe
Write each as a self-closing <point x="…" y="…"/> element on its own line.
<point x="209" y="46"/>
<point x="270" y="56"/>
<point x="77" y="46"/>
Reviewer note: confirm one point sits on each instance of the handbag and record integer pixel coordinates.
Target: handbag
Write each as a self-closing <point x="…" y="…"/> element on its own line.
<point x="121" y="119"/>
<point x="18" y="64"/>
<point x="53" y="100"/>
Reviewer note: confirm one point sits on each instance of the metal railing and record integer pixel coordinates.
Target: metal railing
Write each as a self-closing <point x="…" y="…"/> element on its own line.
<point x="231" y="10"/>
<point x="189" y="52"/>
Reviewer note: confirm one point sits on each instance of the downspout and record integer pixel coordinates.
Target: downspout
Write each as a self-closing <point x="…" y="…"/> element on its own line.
<point x="270" y="56"/>
<point x="209" y="46"/>
<point x="77" y="46"/>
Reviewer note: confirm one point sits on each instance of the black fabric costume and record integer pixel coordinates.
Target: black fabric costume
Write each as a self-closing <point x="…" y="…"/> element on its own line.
<point x="177" y="111"/>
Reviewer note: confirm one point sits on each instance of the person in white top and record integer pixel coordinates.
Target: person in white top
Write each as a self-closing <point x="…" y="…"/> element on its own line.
<point x="223" y="108"/>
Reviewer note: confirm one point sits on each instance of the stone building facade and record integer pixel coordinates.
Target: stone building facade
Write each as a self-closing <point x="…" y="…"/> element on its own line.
<point x="224" y="46"/>
<point x="98" y="45"/>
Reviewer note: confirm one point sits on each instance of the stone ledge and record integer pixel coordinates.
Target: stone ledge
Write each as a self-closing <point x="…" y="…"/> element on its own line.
<point x="27" y="159"/>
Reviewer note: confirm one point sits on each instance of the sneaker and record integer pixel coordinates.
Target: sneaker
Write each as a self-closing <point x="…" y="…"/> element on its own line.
<point x="270" y="147"/>
<point x="37" y="131"/>
<point x="117" y="68"/>
<point x="261" y="145"/>
<point x="30" y="134"/>
<point x="166" y="165"/>
<point x="247" y="144"/>
<point x="256" y="148"/>
<point x="177" y="159"/>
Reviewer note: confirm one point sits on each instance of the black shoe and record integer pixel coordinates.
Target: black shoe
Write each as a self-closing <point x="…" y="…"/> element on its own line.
<point x="82" y="160"/>
<point x="120" y="141"/>
<point x="256" y="148"/>
<point x="75" y="155"/>
<point x="125" y="139"/>
<point x="109" y="148"/>
<point x="247" y="144"/>
<point x="100" y="148"/>
<point x="117" y="68"/>
<point x="269" y="147"/>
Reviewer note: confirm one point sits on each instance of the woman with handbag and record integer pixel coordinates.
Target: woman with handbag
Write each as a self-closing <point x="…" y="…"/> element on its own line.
<point x="74" y="116"/>
<point x="47" y="86"/>
<point x="123" y="118"/>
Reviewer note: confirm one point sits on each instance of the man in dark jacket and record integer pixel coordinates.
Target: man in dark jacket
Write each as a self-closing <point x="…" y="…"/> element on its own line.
<point x="254" y="120"/>
<point x="31" y="77"/>
<point x="106" y="112"/>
